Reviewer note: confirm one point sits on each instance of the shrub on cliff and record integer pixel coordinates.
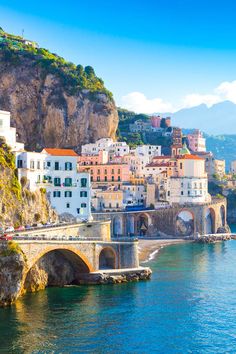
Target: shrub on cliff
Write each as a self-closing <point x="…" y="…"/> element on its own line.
<point x="11" y="248"/>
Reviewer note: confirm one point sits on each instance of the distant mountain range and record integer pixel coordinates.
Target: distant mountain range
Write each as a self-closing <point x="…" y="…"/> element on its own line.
<point x="216" y="120"/>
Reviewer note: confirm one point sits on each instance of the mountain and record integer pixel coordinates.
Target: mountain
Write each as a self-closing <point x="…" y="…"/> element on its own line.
<point x="53" y="102"/>
<point x="216" y="120"/>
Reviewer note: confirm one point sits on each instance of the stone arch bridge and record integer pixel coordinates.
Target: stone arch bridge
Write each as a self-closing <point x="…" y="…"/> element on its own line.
<point x="175" y="220"/>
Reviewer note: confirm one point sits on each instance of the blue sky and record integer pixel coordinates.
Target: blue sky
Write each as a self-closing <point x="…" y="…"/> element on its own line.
<point x="157" y="55"/>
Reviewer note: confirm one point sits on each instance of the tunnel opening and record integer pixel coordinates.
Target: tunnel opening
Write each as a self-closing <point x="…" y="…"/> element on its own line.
<point x="107" y="259"/>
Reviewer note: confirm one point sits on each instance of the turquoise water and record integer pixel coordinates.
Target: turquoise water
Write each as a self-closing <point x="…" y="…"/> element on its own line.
<point x="189" y="306"/>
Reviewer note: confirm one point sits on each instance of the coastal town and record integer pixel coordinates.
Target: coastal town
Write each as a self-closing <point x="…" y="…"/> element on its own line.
<point x="134" y="187"/>
<point x="117" y="177"/>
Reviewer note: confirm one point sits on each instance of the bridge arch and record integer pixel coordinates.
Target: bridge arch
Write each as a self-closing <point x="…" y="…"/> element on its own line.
<point x="67" y="251"/>
<point x="55" y="266"/>
<point x="117" y="223"/>
<point x="107" y="258"/>
<point x="210" y="221"/>
<point x="222" y="214"/>
<point x="184" y="223"/>
<point x="143" y="222"/>
<point x="130" y="225"/>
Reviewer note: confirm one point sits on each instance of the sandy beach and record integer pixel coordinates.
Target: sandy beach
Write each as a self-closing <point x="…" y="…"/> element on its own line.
<point x="148" y="249"/>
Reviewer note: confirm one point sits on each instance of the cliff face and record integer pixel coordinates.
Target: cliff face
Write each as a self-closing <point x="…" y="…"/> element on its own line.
<point x="45" y="115"/>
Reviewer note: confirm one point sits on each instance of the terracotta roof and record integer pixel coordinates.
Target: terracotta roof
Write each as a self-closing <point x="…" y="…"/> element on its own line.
<point x="60" y="152"/>
<point x="190" y="157"/>
<point x="163" y="164"/>
<point x="161" y="157"/>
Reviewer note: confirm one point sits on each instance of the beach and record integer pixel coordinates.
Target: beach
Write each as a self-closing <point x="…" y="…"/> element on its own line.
<point x="148" y="249"/>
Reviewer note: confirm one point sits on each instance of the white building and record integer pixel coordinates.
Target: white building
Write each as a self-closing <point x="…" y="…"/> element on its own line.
<point x="233" y="167"/>
<point x="134" y="194"/>
<point x="9" y="133"/>
<point x="197" y="143"/>
<point x="190" y="183"/>
<point x="115" y="148"/>
<point x="31" y="165"/>
<point x="148" y="150"/>
<point x="56" y="170"/>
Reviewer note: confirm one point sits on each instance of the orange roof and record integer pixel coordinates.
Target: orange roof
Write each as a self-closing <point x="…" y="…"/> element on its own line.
<point x="190" y="157"/>
<point x="60" y="152"/>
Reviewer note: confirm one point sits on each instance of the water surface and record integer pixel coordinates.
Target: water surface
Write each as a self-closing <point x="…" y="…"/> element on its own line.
<point x="189" y="306"/>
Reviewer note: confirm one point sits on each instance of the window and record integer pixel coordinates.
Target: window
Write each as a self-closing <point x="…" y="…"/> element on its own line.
<point x="112" y="171"/>
<point x="91" y="178"/>
<point x="118" y="178"/>
<point x="48" y="164"/>
<point x="19" y="163"/>
<point x="105" y="172"/>
<point x="182" y="184"/>
<point x="98" y="179"/>
<point x="56" y="165"/>
<point x="98" y="172"/>
<point x="56" y="194"/>
<point x="105" y="178"/>
<point x="112" y="178"/>
<point x="38" y="165"/>
<point x="181" y="165"/>
<point x="68" y="182"/>
<point x="68" y="205"/>
<point x="182" y="193"/>
<point x="57" y="182"/>
<point x="32" y="164"/>
<point x="68" y="166"/>
<point x="117" y="205"/>
<point x="83" y="205"/>
<point x="118" y="170"/>
<point x="78" y="210"/>
<point x="83" y="194"/>
<point x="68" y="194"/>
<point x="83" y="182"/>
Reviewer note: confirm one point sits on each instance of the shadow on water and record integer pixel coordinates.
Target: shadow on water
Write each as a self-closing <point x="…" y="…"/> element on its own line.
<point x="188" y="306"/>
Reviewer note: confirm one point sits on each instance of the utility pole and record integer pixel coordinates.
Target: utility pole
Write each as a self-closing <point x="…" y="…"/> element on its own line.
<point x="23" y="33"/>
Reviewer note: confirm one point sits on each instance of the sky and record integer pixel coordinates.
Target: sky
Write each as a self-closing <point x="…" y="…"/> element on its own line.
<point x="153" y="55"/>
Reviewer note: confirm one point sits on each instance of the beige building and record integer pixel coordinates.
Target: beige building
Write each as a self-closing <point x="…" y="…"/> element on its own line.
<point x="189" y="184"/>
<point x="110" y="199"/>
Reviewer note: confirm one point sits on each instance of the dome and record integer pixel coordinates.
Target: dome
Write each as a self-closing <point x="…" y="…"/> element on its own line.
<point x="184" y="150"/>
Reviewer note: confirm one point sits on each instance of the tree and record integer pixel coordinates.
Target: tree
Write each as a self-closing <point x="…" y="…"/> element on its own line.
<point x="89" y="71"/>
<point x="80" y="69"/>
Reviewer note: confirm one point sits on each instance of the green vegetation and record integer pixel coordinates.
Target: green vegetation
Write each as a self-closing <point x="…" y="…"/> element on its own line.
<point x="133" y="139"/>
<point x="7" y="162"/>
<point x="73" y="78"/>
<point x="11" y="249"/>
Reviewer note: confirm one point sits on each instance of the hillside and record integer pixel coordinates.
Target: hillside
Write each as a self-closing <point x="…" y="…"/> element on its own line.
<point x="53" y="102"/>
<point x="18" y="205"/>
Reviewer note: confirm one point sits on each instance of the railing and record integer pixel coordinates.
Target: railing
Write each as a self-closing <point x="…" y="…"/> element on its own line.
<point x="54" y="238"/>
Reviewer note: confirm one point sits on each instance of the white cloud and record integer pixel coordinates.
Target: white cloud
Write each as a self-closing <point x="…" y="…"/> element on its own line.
<point x="196" y="99"/>
<point x="227" y="91"/>
<point x="138" y="102"/>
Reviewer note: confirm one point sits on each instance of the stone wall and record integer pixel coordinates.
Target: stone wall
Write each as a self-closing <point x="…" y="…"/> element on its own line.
<point x="177" y="221"/>
<point x="90" y="230"/>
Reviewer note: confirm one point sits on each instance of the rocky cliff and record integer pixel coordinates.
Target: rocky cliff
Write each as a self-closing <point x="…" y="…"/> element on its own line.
<point x="53" y="103"/>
